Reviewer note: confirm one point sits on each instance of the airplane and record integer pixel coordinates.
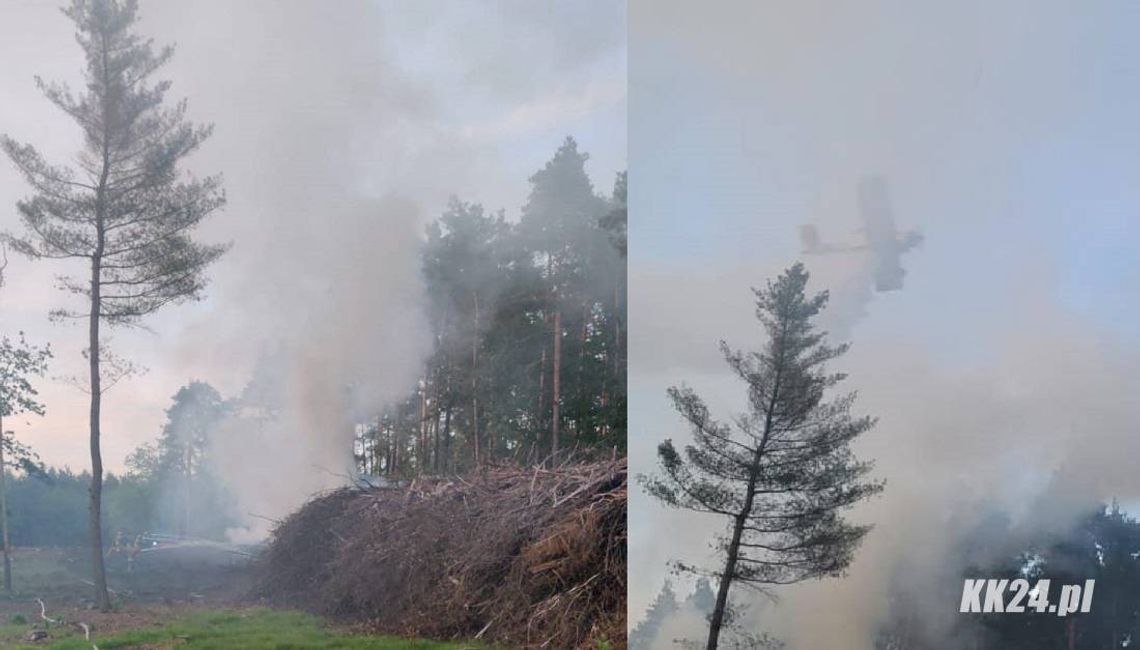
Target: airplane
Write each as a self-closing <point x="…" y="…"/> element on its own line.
<point x="881" y="238"/>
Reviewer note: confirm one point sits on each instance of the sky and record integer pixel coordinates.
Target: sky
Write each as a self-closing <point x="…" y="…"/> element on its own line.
<point x="1007" y="132"/>
<point x="340" y="130"/>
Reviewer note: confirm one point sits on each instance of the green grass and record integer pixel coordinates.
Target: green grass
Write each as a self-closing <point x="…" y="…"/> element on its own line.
<point x="255" y="629"/>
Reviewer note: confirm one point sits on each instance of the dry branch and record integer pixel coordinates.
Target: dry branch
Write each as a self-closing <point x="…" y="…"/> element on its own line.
<point x="516" y="555"/>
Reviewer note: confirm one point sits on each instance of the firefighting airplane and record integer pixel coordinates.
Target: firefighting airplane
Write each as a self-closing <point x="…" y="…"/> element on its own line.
<point x="881" y="239"/>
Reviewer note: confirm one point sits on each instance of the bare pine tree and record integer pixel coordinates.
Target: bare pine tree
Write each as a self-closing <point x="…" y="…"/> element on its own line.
<point x="124" y="207"/>
<point x="783" y="471"/>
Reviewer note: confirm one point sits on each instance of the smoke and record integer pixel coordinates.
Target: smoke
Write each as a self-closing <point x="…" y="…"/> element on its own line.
<point x="1032" y="420"/>
<point x="340" y="131"/>
<point x="1035" y="422"/>
<point x="1002" y="373"/>
<point x="336" y="154"/>
<point x="321" y="142"/>
<point x="1041" y="431"/>
<point x="338" y="147"/>
<point x="352" y="343"/>
<point x="1037" y="436"/>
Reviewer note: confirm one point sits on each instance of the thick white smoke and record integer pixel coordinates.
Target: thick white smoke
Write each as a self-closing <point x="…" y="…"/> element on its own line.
<point x="328" y="154"/>
<point x="1004" y="369"/>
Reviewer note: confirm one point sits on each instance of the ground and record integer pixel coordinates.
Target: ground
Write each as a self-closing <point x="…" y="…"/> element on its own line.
<point x="160" y="604"/>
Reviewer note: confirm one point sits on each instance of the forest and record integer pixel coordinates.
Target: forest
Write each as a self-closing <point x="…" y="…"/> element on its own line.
<point x="465" y="377"/>
<point x="498" y="377"/>
<point x="1103" y="545"/>
<point x="528" y="328"/>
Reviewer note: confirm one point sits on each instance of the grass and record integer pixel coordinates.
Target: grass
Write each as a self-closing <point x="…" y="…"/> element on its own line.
<point x="252" y="629"/>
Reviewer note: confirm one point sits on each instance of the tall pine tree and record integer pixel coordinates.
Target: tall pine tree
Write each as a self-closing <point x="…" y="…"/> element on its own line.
<point x="784" y="471"/>
<point x="124" y="209"/>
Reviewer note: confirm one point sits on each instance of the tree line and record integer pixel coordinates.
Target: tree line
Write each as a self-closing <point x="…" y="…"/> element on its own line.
<point x="528" y="318"/>
<point x="1103" y="544"/>
<point x="528" y="321"/>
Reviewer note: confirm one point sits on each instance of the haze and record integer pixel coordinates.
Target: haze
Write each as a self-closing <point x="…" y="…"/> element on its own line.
<point x="1004" y="370"/>
<point x="341" y="130"/>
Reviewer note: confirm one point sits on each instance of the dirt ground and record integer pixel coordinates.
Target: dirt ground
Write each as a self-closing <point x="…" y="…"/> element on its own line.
<point x="194" y="598"/>
<point x="152" y="593"/>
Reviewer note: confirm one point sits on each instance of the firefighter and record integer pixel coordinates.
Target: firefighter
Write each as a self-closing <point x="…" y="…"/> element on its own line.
<point x="134" y="550"/>
<point x="117" y="545"/>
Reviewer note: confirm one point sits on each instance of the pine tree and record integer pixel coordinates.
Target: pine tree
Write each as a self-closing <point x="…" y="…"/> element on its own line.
<point x="664" y="606"/>
<point x="497" y="292"/>
<point x="124" y="209"/>
<point x="197" y="411"/>
<point x="19" y="362"/>
<point x="784" y="471"/>
<point x="464" y="272"/>
<point x="560" y="225"/>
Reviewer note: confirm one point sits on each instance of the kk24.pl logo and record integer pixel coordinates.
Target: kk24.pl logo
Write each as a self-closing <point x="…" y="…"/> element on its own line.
<point x="1017" y="597"/>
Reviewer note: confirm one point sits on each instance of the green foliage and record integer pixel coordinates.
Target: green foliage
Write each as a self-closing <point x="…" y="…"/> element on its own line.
<point x="51" y="509"/>
<point x="1102" y="545"/>
<point x="643" y="635"/>
<point x="124" y="205"/>
<point x="175" y="476"/>
<point x="782" y="472"/>
<point x="174" y="480"/>
<point x="616" y="223"/>
<point x="19" y="364"/>
<point x="494" y="286"/>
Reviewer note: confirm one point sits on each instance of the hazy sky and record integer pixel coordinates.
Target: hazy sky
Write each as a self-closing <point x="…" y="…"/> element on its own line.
<point x="1008" y="133"/>
<point x="341" y="129"/>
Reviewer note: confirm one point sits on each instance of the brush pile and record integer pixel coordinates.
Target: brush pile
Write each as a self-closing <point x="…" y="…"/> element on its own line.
<point x="527" y="557"/>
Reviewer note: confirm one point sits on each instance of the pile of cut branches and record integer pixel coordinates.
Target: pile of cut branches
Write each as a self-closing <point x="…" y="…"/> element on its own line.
<point x="528" y="557"/>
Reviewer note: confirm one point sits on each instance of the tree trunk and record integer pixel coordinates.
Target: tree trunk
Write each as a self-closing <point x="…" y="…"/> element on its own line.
<point x="422" y="445"/>
<point x="540" y="414"/>
<point x="433" y="435"/>
<point x="102" y="598"/>
<point x="717" y="617"/>
<point x="577" y="394"/>
<point x="447" y="439"/>
<point x="4" y="516"/>
<point x="385" y="447"/>
<point x="394" y="445"/>
<point x="617" y="333"/>
<point x="187" y="496"/>
<point x="489" y="430"/>
<point x="475" y="383"/>
<point x="555" y="386"/>
<point x="374" y="450"/>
